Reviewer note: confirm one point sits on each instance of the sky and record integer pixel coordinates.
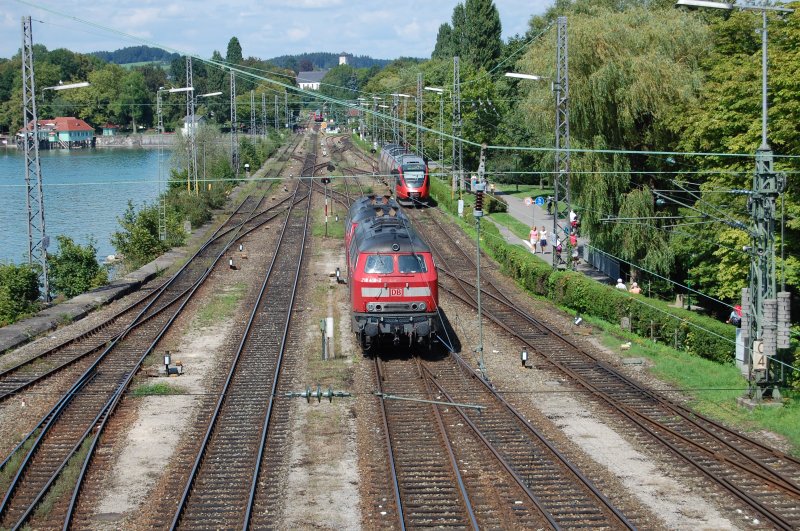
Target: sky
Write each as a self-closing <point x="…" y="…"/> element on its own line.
<point x="265" y="28"/>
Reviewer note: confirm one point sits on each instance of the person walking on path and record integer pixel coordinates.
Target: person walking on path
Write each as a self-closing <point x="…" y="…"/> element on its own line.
<point x="543" y="239"/>
<point x="621" y="285"/>
<point x="534" y="238"/>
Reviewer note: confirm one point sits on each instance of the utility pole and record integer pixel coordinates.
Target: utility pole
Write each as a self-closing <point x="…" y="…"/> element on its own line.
<point x="37" y="237"/>
<point x="419" y="116"/>
<point x="480" y="187"/>
<point x="191" y="131"/>
<point x="561" y="177"/>
<point x="234" y="127"/>
<point x="276" y="112"/>
<point x="766" y="324"/>
<point x="458" y="153"/>
<point x="395" y="117"/>
<point x="252" y="112"/>
<point x="375" y="122"/>
<point x="286" y="107"/>
<point x="162" y="196"/>
<point x="264" y="114"/>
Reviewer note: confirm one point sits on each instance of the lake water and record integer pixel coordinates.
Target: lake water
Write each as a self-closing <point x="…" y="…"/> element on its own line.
<point x="85" y="191"/>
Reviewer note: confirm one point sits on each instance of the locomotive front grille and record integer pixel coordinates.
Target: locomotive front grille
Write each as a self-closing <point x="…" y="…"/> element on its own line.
<point x="390" y="307"/>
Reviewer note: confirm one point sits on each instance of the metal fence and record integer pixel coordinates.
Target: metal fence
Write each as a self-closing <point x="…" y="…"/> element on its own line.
<point x="601" y="261"/>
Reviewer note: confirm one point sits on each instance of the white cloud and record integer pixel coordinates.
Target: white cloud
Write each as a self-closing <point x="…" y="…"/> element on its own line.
<point x="297" y="34"/>
<point x="360" y="27"/>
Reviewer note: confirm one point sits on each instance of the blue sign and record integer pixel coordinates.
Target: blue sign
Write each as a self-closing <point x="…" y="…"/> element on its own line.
<point x="540" y="200"/>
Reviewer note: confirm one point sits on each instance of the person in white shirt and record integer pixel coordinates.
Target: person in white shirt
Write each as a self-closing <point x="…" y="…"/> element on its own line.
<point x="621" y="285"/>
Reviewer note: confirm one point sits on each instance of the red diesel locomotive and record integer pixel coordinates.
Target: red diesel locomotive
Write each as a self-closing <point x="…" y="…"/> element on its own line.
<point x="410" y="173"/>
<point x="393" y="281"/>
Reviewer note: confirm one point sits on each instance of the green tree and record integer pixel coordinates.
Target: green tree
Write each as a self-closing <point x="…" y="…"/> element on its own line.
<point x="74" y="268"/>
<point x="633" y="75"/>
<point x="133" y="105"/>
<point x="459" y="23"/>
<point x="483" y="43"/>
<point x="234" y="52"/>
<point x="19" y="292"/>
<point x="444" y="43"/>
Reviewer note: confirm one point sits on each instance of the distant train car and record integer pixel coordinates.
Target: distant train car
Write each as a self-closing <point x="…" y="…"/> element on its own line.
<point x="393" y="281"/>
<point x="318" y="116"/>
<point x="410" y="174"/>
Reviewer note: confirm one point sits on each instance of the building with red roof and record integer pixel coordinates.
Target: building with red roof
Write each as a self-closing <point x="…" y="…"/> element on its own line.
<point x="62" y="131"/>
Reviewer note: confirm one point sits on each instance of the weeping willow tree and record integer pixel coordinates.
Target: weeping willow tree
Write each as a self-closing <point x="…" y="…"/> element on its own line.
<point x="631" y="73"/>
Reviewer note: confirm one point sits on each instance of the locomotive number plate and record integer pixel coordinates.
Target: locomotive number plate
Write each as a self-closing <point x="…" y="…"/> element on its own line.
<point x="395" y="292"/>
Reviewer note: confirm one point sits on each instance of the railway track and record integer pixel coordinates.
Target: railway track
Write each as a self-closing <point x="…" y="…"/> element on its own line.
<point x="223" y="483"/>
<point x="54" y="360"/>
<point x="762" y="479"/>
<point x="455" y="467"/>
<point x="77" y="420"/>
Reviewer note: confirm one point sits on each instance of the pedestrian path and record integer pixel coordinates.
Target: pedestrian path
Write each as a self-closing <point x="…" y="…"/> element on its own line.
<point x="536" y="215"/>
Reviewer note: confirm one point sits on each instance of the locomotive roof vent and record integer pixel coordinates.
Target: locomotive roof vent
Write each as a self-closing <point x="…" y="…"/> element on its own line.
<point x="395" y="247"/>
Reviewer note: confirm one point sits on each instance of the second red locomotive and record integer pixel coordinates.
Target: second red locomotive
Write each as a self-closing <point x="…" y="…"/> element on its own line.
<point x="393" y="281"/>
<point x="409" y="172"/>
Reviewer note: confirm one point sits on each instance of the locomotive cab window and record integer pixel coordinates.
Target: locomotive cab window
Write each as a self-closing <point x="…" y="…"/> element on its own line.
<point x="411" y="263"/>
<point x="379" y="264"/>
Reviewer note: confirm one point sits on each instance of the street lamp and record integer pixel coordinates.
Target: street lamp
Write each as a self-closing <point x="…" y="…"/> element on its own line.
<point x="440" y="92"/>
<point x="532" y="77"/>
<point x="758" y="327"/>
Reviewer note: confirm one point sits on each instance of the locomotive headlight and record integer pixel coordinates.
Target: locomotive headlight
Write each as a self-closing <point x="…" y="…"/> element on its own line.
<point x="371" y="307"/>
<point x="422" y="306"/>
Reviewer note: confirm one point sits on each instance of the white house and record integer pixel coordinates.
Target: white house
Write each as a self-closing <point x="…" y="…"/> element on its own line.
<point x="310" y="80"/>
<point x="198" y="120"/>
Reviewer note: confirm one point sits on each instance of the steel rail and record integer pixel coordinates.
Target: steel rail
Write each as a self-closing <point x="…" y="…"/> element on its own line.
<point x="213" y="422"/>
<point x="686" y="414"/>
<point x="449" y="446"/>
<point x="113" y="402"/>
<point x="636" y="417"/>
<point x="102" y="414"/>
<point x="390" y="451"/>
<point x="82" y="380"/>
<point x="278" y="367"/>
<point x="491" y="447"/>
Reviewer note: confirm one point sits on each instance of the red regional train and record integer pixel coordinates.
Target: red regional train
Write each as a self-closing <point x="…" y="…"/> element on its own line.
<point x="393" y="282"/>
<point x="318" y="116"/>
<point x="410" y="172"/>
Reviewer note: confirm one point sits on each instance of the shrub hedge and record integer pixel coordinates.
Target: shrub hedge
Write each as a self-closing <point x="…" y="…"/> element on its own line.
<point x="651" y="318"/>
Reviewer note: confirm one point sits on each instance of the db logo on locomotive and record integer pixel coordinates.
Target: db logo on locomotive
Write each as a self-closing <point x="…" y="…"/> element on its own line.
<point x="395" y="292"/>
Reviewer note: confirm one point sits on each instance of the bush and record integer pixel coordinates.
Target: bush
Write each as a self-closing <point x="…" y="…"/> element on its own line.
<point x="74" y="268"/>
<point x="699" y="335"/>
<point x="19" y="292"/>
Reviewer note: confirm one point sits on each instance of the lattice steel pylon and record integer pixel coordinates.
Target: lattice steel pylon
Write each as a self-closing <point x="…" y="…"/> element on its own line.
<point x="162" y="196"/>
<point x="191" y="131"/>
<point x="252" y="112"/>
<point x="561" y="175"/>
<point x="420" y="144"/>
<point x="458" y="150"/>
<point x="286" y="107"/>
<point x="264" y="113"/>
<point x="34" y="199"/>
<point x="234" y="128"/>
<point x="276" y="112"/>
<point x="395" y="118"/>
